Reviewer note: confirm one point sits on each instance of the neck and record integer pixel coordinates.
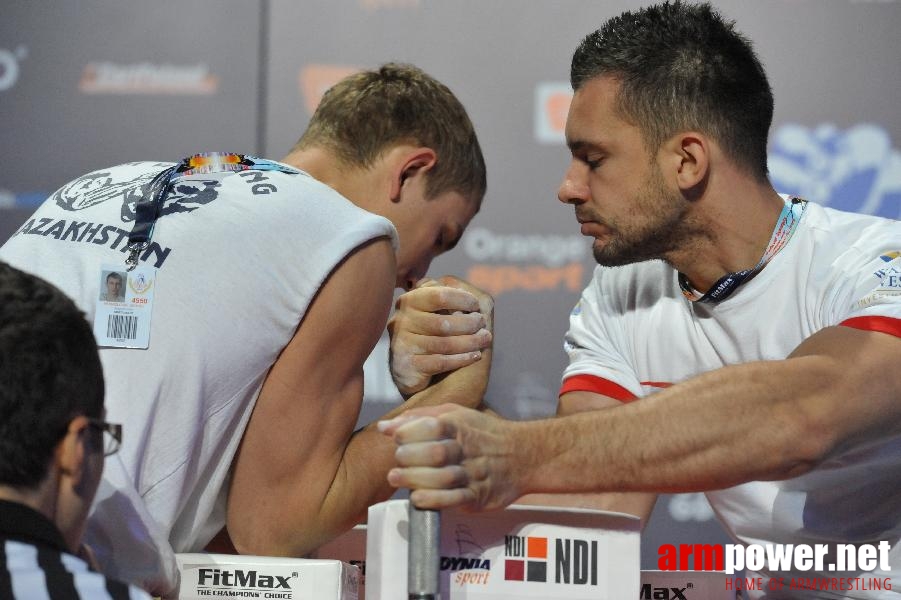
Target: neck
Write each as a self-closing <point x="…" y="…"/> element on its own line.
<point x="735" y="227"/>
<point x="46" y="499"/>
<point x="358" y="185"/>
<point x="40" y="498"/>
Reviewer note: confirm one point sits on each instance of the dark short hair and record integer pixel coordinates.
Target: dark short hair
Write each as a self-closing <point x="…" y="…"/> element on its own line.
<point x="114" y="275"/>
<point x="368" y="113"/>
<point x="682" y="67"/>
<point x="50" y="373"/>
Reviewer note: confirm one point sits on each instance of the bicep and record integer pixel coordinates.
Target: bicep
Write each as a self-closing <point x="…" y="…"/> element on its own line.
<point x="855" y="382"/>
<point x="311" y="397"/>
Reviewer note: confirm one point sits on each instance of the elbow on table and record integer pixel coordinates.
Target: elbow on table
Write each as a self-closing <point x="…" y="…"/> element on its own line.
<point x="257" y="537"/>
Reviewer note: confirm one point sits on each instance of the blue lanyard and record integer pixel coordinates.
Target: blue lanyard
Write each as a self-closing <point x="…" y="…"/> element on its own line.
<point x="786" y="225"/>
<point x="147" y="210"/>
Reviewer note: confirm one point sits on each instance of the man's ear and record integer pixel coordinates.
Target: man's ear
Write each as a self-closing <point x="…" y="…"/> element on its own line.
<point x="687" y="154"/>
<point x="416" y="161"/>
<point x="72" y="451"/>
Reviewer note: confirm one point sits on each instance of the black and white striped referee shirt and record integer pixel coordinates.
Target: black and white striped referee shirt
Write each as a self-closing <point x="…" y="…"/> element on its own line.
<point x="35" y="564"/>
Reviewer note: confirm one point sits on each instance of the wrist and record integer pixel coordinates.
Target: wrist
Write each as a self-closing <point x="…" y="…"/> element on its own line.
<point x="543" y="455"/>
<point x="528" y="457"/>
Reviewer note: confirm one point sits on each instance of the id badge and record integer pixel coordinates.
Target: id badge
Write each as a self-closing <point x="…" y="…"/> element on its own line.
<point x="124" y="305"/>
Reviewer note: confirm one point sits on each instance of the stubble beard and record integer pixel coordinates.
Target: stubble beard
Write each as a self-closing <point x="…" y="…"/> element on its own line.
<point x="666" y="228"/>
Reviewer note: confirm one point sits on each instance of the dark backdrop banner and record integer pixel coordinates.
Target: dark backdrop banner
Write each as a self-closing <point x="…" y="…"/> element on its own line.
<point x="88" y="84"/>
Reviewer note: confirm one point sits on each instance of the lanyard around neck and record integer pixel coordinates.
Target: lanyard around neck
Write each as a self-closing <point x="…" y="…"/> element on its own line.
<point x="786" y="225"/>
<point x="147" y="210"/>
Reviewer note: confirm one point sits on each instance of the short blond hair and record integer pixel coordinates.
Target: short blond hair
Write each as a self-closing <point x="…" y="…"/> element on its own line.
<point x="369" y="112"/>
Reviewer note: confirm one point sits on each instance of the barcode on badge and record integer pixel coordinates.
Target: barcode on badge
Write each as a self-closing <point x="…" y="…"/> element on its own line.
<point x="122" y="327"/>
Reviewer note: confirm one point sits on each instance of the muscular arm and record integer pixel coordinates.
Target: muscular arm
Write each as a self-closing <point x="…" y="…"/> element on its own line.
<point x="765" y="420"/>
<point x="633" y="503"/>
<point x="757" y="421"/>
<point x="302" y="476"/>
<point x="299" y="478"/>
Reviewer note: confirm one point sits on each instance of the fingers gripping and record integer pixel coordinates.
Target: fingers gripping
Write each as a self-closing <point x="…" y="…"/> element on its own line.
<point x="431" y="462"/>
<point x="409" y="321"/>
<point x="432" y="298"/>
<point x="433" y="364"/>
<point x="439" y="453"/>
<point x="435" y="329"/>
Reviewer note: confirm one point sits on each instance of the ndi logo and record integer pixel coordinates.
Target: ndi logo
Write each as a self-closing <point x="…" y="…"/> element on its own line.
<point x="527" y="559"/>
<point x="856" y="169"/>
<point x="9" y="66"/>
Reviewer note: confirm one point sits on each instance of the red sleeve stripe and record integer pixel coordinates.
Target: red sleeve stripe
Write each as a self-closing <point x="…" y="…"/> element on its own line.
<point x="657" y="384"/>
<point x="888" y="325"/>
<point x="591" y="383"/>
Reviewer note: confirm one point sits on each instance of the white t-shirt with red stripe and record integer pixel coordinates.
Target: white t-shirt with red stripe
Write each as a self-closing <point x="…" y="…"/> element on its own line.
<point x="633" y="332"/>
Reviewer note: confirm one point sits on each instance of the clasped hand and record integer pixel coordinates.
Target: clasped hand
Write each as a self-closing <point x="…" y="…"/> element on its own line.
<point x="439" y="326"/>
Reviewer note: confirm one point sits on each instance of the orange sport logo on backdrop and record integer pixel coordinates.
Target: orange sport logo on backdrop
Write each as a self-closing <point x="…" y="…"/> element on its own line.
<point x="497" y="279"/>
<point x="506" y="262"/>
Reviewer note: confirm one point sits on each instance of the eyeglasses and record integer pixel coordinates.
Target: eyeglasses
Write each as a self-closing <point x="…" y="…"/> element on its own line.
<point x="112" y="437"/>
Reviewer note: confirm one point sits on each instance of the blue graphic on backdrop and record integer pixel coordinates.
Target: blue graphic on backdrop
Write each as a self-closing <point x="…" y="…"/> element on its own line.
<point x="23" y="199"/>
<point x="856" y="170"/>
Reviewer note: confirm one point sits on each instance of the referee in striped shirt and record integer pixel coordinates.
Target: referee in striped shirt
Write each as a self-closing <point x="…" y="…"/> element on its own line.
<point x="53" y="440"/>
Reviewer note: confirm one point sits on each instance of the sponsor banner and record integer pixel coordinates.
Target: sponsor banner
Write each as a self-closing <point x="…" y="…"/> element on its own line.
<point x="684" y="585"/>
<point x="552" y="100"/>
<point x="527" y="262"/>
<point x="147" y="78"/>
<point x="497" y="280"/>
<point x="233" y="576"/>
<point x="484" y="245"/>
<point x="521" y="552"/>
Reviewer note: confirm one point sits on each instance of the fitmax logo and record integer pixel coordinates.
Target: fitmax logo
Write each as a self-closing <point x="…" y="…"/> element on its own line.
<point x="9" y="66"/>
<point x="649" y="592"/>
<point x="243" y="579"/>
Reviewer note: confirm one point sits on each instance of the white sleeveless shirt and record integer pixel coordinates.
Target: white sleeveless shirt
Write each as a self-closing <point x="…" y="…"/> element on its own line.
<point x="240" y="256"/>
